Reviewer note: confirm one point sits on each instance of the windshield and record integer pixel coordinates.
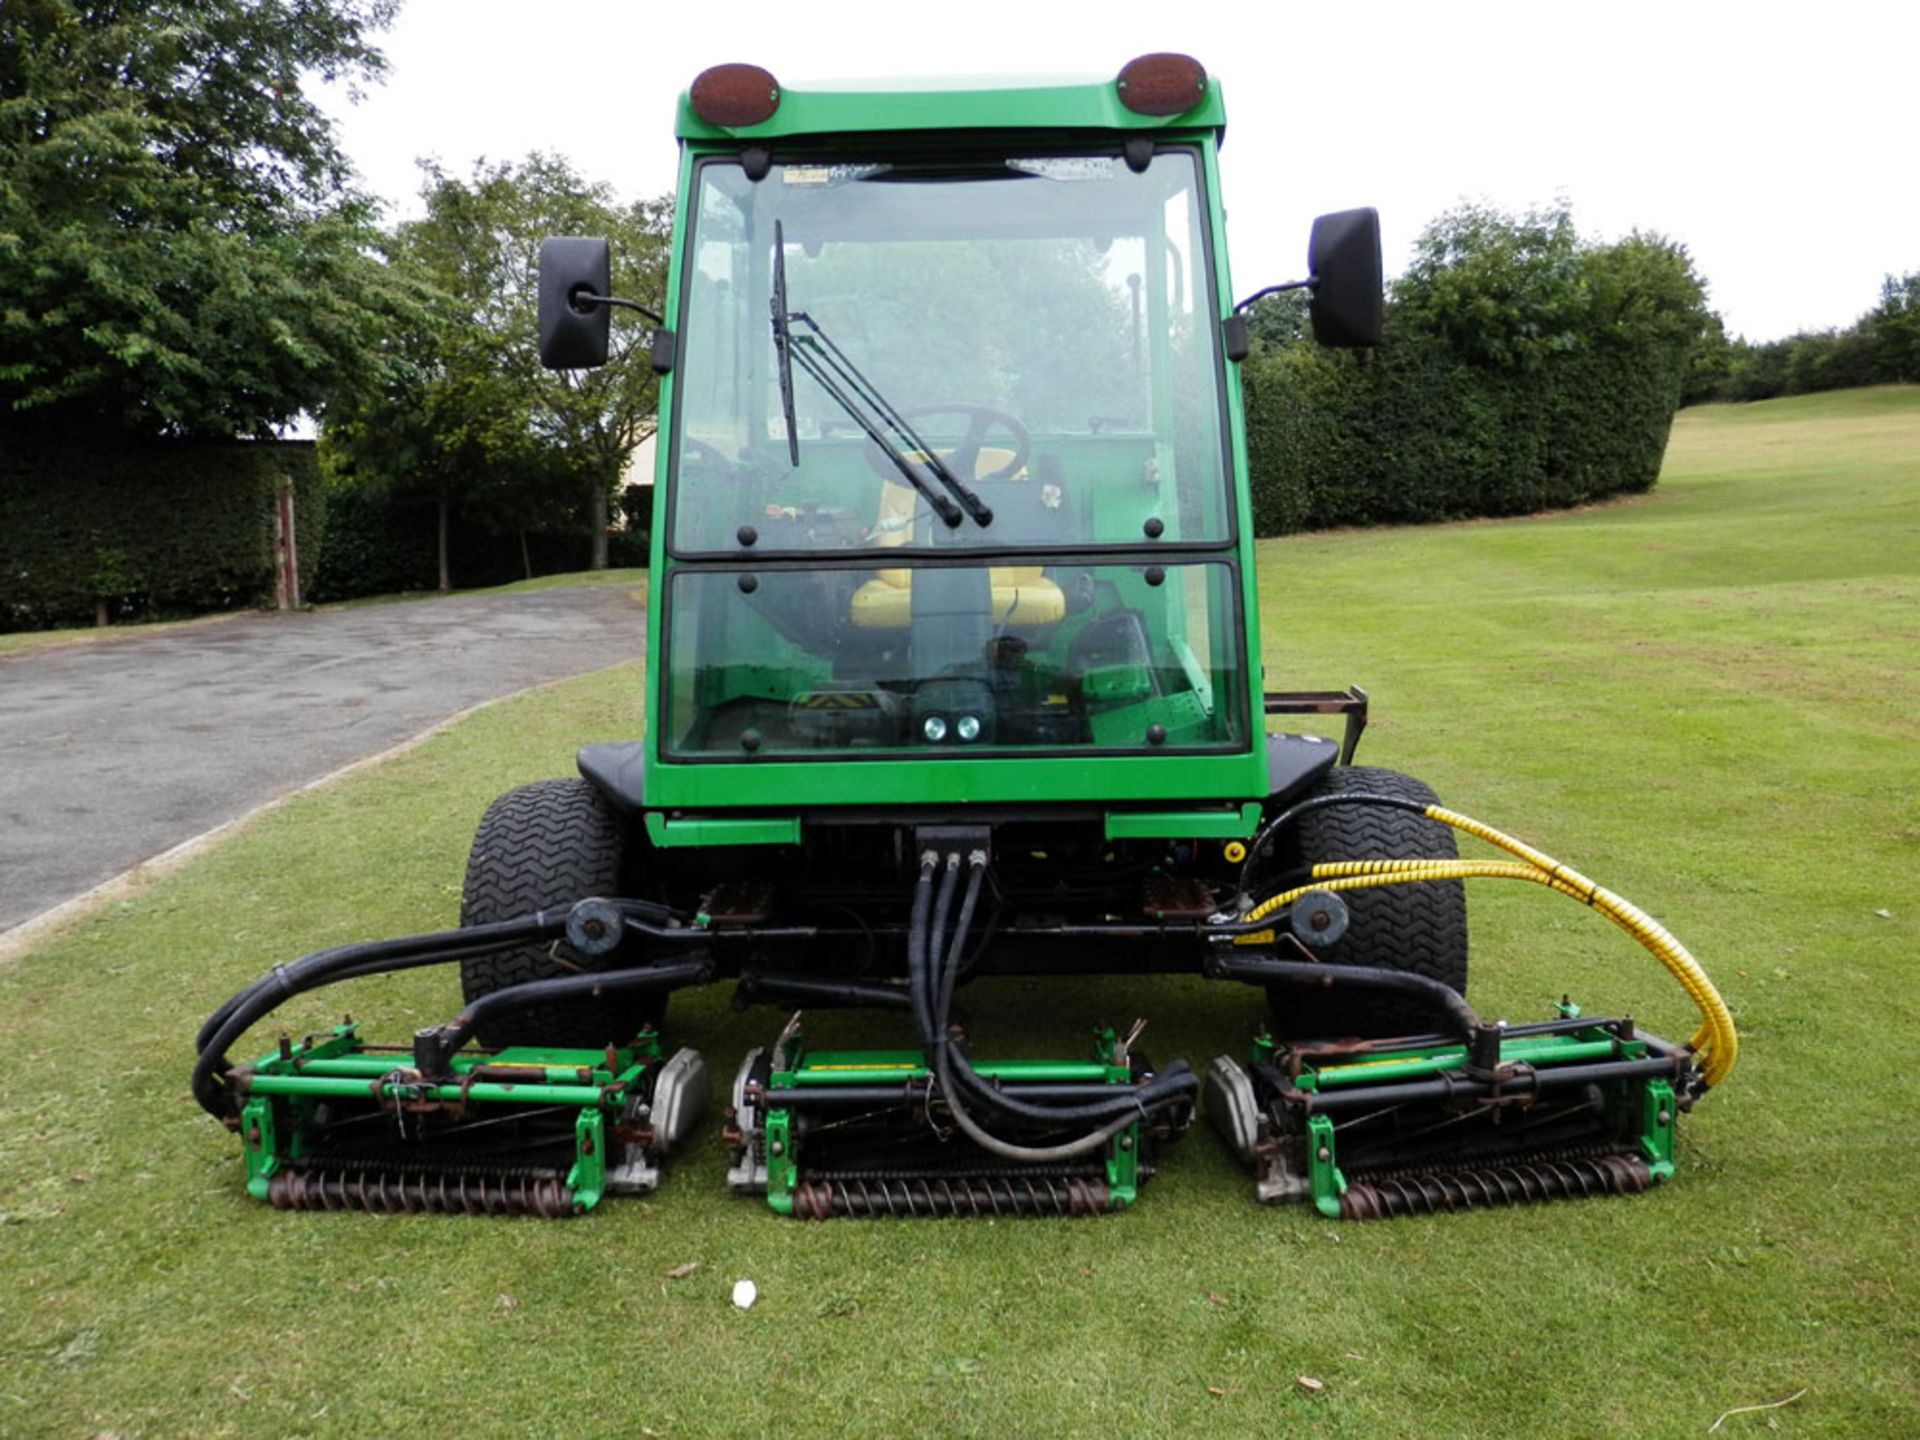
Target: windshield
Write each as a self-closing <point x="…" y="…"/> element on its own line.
<point x="1004" y="353"/>
<point x="948" y="661"/>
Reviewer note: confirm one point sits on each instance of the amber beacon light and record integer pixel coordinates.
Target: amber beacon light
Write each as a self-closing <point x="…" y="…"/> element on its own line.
<point x="735" y="95"/>
<point x="1162" y="84"/>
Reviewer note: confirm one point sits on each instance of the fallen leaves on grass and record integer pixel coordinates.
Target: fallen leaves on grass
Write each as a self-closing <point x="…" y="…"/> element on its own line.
<point x="680" y="1272"/>
<point x="1309" y="1384"/>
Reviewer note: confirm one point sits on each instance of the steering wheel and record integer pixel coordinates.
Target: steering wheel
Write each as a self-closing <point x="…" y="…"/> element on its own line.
<point x="981" y="421"/>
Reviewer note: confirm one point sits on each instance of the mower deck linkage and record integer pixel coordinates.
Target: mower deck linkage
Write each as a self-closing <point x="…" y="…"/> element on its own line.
<point x="1472" y="1113"/>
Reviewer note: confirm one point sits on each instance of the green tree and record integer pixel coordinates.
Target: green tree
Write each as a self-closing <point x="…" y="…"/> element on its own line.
<point x="478" y="245"/>
<point x="1894" y="327"/>
<point x="1498" y="289"/>
<point x="180" y="253"/>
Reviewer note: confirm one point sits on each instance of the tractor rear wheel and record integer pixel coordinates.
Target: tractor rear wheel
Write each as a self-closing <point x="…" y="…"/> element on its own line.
<point x="1417" y="928"/>
<point x="542" y="845"/>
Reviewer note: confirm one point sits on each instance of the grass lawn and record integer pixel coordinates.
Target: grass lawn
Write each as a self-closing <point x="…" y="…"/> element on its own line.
<point x="1705" y="699"/>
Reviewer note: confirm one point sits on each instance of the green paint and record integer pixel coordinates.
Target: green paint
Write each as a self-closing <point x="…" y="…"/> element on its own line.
<point x="1543" y="1051"/>
<point x="1657" y="1115"/>
<point x="259" y="1135"/>
<point x="1233" y="824"/>
<point x="676" y="830"/>
<point x="588" y="1177"/>
<point x="890" y="1067"/>
<point x="1325" y="1183"/>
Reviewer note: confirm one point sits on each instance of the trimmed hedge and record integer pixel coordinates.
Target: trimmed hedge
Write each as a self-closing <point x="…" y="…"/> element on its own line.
<point x="382" y="543"/>
<point x="1518" y="371"/>
<point x="146" y="529"/>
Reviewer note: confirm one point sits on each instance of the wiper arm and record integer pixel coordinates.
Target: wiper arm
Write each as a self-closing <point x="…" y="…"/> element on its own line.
<point x="783" y="342"/>
<point x="815" y="353"/>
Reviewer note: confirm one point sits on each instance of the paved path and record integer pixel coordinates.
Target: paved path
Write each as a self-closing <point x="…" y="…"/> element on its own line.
<point x="112" y="753"/>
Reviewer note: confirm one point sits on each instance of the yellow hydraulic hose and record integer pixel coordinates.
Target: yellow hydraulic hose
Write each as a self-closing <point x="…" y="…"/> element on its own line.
<point x="1715" y="1042"/>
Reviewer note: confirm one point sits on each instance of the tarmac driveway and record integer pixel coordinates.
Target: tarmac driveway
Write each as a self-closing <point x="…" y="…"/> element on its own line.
<point x="112" y="753"/>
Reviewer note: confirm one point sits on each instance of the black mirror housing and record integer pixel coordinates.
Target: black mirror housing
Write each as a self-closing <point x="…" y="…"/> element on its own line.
<point x="1343" y="257"/>
<point x="573" y="335"/>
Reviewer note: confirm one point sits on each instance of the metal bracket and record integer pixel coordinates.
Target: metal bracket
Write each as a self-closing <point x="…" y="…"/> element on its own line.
<point x="1350" y="702"/>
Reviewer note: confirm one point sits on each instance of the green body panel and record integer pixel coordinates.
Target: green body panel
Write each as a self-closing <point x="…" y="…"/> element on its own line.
<point x="719" y="785"/>
<point x="672" y="830"/>
<point x="1234" y="824"/>
<point x="1079" y="105"/>
<point x="779" y="788"/>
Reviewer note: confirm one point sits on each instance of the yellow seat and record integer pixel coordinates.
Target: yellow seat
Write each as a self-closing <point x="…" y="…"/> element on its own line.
<point x="1021" y="594"/>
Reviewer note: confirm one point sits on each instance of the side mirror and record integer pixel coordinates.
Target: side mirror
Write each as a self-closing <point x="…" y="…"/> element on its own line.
<point x="573" y="334"/>
<point x="1343" y="256"/>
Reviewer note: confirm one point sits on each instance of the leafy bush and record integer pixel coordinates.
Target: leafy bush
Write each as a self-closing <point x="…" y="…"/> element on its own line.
<point x="1881" y="348"/>
<point x="146" y="530"/>
<point x="1520" y="369"/>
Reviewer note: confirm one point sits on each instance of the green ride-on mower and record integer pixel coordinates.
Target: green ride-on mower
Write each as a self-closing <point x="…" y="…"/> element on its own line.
<point x="954" y="671"/>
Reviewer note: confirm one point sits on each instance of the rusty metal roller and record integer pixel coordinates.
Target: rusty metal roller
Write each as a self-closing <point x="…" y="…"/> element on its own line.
<point x="931" y="1197"/>
<point x="1519" y="1184"/>
<point x="394" y="1192"/>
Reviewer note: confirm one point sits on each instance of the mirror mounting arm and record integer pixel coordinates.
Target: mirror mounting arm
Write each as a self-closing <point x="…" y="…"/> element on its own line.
<point x="583" y="299"/>
<point x="1259" y="295"/>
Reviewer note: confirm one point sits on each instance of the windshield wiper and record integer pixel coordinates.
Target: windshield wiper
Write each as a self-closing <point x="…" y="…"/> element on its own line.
<point x="814" y="351"/>
<point x="783" y="342"/>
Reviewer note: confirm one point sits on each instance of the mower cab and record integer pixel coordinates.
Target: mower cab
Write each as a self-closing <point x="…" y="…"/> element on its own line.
<point x="953" y="672"/>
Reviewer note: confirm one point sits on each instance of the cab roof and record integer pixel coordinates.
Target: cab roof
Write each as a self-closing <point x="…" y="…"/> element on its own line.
<point x="1029" y="103"/>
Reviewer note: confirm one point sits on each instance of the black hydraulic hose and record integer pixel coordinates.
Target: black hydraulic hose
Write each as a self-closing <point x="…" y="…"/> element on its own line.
<point x="373" y="957"/>
<point x="591" y="985"/>
<point x="1437" y="997"/>
<point x="932" y="992"/>
<point x="917" y="949"/>
<point x="923" y="956"/>
<point x="1163" y="1089"/>
<point x="950" y="968"/>
<point x="324" y="967"/>
<point x="1023" y="1154"/>
<point x="823" y="992"/>
<point x="1314" y="802"/>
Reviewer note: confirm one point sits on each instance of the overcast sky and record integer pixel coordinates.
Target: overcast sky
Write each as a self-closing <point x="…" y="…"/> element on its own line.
<point x="1774" y="142"/>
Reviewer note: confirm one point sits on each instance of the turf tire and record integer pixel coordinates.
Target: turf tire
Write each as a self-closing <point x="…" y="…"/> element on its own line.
<point x="1417" y="928"/>
<point x="545" y="844"/>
